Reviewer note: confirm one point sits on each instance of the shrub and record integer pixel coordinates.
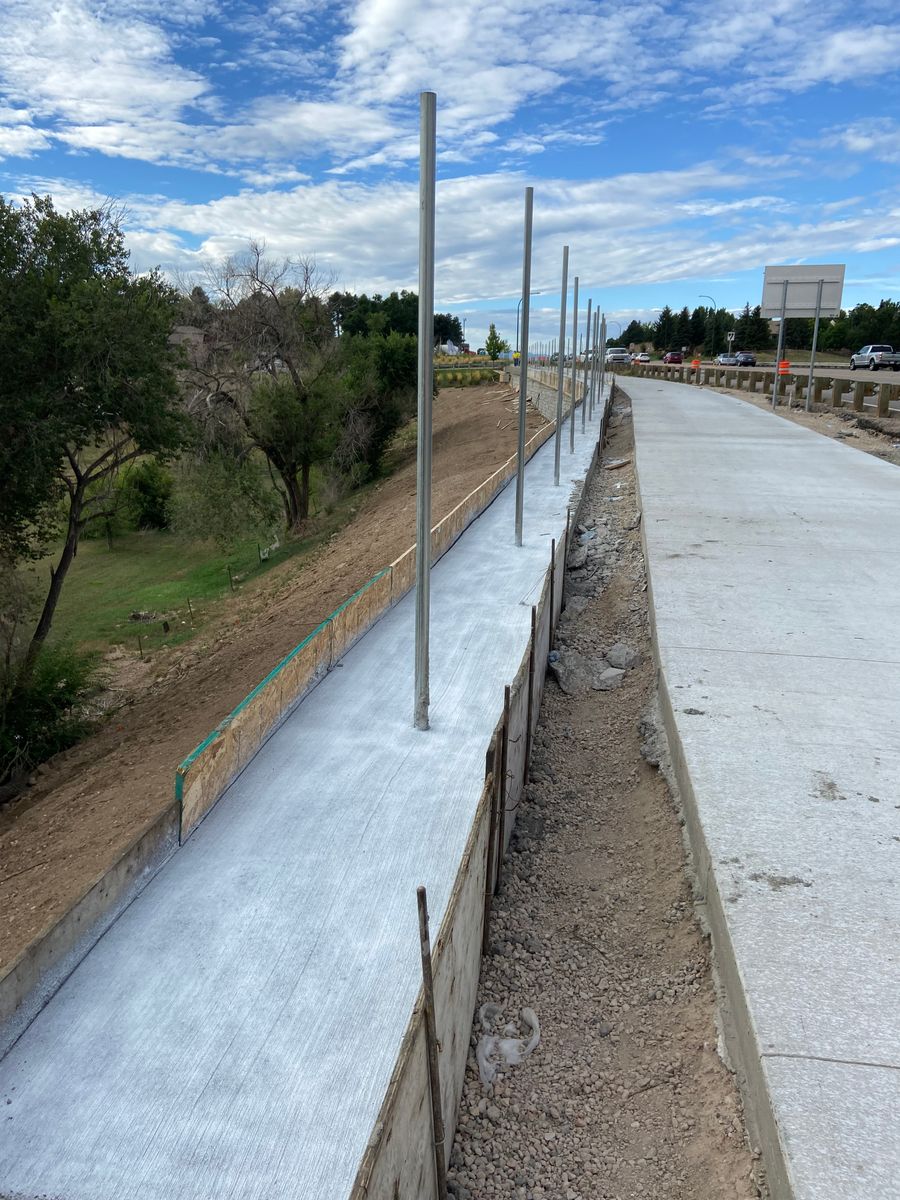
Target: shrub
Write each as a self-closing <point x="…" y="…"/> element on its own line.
<point x="147" y="494"/>
<point x="47" y="713"/>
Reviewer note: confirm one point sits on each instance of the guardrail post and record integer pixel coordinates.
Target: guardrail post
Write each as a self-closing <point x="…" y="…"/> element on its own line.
<point x="818" y="386"/>
<point x="886" y="393"/>
<point x="837" y="393"/>
<point x="859" y="391"/>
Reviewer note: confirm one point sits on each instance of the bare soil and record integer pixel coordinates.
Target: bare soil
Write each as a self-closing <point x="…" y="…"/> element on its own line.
<point x="90" y="803"/>
<point x="594" y="929"/>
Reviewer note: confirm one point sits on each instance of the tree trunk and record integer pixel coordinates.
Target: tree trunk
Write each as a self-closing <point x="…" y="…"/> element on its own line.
<point x="294" y="499"/>
<point x="56" y="584"/>
<point x="304" y="490"/>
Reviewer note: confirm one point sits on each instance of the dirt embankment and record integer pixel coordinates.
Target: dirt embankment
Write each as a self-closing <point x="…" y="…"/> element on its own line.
<point x="94" y="800"/>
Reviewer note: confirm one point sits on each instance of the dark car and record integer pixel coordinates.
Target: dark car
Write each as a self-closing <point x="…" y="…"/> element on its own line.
<point x="674" y="356"/>
<point x="745" y="358"/>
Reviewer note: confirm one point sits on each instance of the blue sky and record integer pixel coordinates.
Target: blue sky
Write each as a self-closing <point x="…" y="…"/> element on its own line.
<point x="676" y="147"/>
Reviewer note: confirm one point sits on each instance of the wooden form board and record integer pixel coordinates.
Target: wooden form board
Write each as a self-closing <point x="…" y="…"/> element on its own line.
<point x="399" y="1157"/>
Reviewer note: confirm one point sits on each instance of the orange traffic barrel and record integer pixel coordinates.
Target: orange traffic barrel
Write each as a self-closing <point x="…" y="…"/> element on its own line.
<point x="695" y="363"/>
<point x="783" y="367"/>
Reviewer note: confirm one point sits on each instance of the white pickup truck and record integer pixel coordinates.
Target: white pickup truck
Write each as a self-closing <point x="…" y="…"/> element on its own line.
<point x="875" y="357"/>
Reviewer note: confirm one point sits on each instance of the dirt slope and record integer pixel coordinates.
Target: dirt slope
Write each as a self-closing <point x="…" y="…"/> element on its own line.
<point x="97" y="798"/>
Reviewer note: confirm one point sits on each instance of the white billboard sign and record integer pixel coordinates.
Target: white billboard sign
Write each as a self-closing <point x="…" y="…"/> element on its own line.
<point x="803" y="290"/>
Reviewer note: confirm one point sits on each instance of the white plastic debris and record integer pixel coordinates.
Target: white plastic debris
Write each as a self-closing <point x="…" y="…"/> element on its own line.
<point x="493" y="1051"/>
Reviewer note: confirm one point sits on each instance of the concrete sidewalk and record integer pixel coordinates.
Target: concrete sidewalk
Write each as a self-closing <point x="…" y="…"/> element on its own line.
<point x="774" y="560"/>
<point x="234" y="1033"/>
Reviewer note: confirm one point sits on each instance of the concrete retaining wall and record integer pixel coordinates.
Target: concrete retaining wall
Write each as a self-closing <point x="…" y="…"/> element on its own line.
<point x="39" y="971"/>
<point x="29" y="982"/>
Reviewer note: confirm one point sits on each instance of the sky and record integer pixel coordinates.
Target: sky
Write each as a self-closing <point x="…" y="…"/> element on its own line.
<point x="676" y="147"/>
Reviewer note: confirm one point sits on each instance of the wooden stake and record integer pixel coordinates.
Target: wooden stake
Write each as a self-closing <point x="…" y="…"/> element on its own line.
<point x="190" y="612"/>
<point x="494" y="776"/>
<point x="230" y="580"/>
<point x="431" y="1043"/>
<point x="504" y="759"/>
<point x="552" y="587"/>
<point x="531" y="669"/>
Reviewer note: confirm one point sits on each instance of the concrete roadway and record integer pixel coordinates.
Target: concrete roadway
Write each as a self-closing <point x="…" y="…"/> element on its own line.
<point x="774" y="560"/>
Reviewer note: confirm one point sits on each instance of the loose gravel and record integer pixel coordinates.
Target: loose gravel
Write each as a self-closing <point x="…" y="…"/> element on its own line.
<point x="594" y="930"/>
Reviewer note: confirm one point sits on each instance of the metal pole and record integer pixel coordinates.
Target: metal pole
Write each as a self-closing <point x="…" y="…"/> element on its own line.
<point x="587" y="354"/>
<point x="594" y="363"/>
<point x="431" y="1042"/>
<point x="559" y="364"/>
<point x="427" y="153"/>
<point x="812" y="357"/>
<point x="602" y="354"/>
<point x="523" y="364"/>
<point x="574" y="365"/>
<point x="780" y="342"/>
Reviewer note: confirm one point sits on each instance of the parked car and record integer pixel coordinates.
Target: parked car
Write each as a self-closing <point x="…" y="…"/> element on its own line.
<point x="618" y="355"/>
<point x="673" y="356"/>
<point x="875" y="357"/>
<point x="641" y="358"/>
<point x="727" y="360"/>
<point x="745" y="358"/>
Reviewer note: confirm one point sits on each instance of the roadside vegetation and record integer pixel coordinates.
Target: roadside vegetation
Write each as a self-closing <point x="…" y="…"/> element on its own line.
<point x="160" y="446"/>
<point x="704" y="330"/>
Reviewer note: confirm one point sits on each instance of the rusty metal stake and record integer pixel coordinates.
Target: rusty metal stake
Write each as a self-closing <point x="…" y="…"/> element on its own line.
<point x="432" y="1045"/>
<point x="552" y="587"/>
<point x="504" y="759"/>
<point x="531" y="669"/>
<point x="494" y="776"/>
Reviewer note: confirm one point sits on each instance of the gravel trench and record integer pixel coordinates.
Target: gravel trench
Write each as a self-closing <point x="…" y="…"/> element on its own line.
<point x="594" y="928"/>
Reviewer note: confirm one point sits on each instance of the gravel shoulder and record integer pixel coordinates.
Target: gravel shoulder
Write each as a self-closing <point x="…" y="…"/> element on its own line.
<point x="594" y="930"/>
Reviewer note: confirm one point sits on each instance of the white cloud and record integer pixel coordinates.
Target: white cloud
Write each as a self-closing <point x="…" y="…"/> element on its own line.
<point x="64" y="60"/>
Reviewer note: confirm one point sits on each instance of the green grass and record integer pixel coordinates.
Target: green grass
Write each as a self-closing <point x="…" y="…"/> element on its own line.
<point x="155" y="573"/>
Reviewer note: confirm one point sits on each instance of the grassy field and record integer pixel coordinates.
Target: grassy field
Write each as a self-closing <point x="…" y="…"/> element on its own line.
<point x="158" y="573"/>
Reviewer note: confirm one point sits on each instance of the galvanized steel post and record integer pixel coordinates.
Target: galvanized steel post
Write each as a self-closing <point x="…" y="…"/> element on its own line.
<point x="594" y="363"/>
<point x="574" y="365"/>
<point x="523" y="365"/>
<point x="812" y="357"/>
<point x="560" y="363"/>
<point x="587" y="355"/>
<point x="602" y="354"/>
<point x="784" y="289"/>
<point x="427" y="154"/>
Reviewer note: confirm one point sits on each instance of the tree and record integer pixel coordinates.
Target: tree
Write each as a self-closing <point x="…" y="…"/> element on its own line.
<point x="683" y="329"/>
<point x="698" y="327"/>
<point x="494" y="344"/>
<point x="306" y="380"/>
<point x="88" y="383"/>
<point x="636" y="334"/>
<point x="448" y="328"/>
<point x="269" y="372"/>
<point x="664" y="331"/>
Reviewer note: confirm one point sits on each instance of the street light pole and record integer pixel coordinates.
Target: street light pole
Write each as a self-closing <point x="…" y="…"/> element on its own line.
<point x="703" y="296"/>
<point x="518" y="309"/>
